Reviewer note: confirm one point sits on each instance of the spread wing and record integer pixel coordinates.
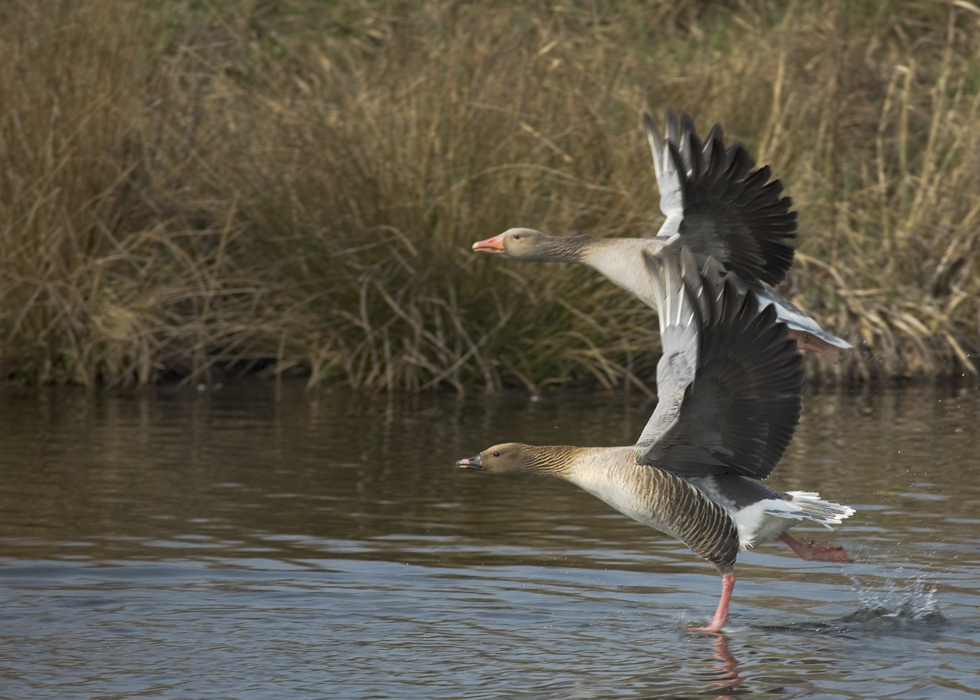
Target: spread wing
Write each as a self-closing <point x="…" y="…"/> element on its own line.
<point x="681" y="315"/>
<point x="719" y="204"/>
<point x="730" y="381"/>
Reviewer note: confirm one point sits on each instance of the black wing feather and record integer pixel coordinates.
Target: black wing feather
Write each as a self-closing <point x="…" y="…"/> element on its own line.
<point x="740" y="412"/>
<point x="731" y="212"/>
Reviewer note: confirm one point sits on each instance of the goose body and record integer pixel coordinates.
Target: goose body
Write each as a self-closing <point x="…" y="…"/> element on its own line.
<point x="730" y="387"/>
<point x="716" y="204"/>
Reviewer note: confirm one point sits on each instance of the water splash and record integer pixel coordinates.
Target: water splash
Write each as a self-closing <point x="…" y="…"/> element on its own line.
<point x="901" y="606"/>
<point x="907" y="607"/>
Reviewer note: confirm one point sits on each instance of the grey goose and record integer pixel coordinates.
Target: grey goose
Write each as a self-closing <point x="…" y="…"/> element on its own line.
<point x="717" y="203"/>
<point x="729" y="385"/>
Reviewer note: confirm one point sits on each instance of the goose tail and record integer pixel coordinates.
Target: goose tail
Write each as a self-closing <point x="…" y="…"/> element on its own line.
<point x="807" y="505"/>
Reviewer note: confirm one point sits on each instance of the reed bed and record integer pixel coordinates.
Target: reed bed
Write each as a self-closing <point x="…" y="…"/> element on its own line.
<point x="195" y="189"/>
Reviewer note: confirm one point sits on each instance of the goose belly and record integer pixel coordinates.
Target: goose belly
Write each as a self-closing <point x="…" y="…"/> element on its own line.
<point x="631" y="503"/>
<point x="636" y="491"/>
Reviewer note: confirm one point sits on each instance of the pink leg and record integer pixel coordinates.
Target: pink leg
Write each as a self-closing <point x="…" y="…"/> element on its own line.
<point x="815" y="552"/>
<point x="721" y="614"/>
<point x="805" y="341"/>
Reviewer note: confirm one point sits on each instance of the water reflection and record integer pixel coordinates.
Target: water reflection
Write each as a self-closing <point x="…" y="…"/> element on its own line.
<point x="147" y="545"/>
<point x="728" y="666"/>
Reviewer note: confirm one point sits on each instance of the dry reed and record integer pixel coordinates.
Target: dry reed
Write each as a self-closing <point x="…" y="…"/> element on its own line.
<point x="199" y="189"/>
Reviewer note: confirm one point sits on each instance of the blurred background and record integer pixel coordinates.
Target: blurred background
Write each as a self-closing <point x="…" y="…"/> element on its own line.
<point x="193" y="190"/>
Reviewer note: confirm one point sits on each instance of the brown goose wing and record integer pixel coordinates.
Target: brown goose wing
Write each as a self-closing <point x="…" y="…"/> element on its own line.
<point x="719" y="204"/>
<point x="734" y="407"/>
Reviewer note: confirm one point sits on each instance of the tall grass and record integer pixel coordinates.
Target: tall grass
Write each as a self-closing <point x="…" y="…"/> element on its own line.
<point x="199" y="188"/>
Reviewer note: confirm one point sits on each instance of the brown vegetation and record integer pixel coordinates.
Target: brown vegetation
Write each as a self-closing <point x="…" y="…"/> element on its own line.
<point x="187" y="189"/>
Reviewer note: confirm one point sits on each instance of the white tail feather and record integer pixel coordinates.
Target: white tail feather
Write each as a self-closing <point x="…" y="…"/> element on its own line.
<point x="807" y="505"/>
<point x="803" y="505"/>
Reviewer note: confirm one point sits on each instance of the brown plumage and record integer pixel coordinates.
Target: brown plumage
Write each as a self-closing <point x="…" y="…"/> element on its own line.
<point x="730" y="384"/>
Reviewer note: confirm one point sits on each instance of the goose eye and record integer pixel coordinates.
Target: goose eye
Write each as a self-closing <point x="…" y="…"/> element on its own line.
<point x="496" y="453"/>
<point x="517" y="236"/>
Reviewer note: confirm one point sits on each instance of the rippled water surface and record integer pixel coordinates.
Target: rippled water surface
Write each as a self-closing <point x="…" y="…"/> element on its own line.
<point x="226" y="545"/>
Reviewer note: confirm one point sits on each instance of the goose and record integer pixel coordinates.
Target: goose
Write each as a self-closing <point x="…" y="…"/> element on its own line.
<point x="730" y="386"/>
<point x="716" y="204"/>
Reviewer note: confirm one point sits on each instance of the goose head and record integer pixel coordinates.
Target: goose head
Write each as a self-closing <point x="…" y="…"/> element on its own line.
<point x="516" y="459"/>
<point x="534" y="246"/>
<point x="508" y="458"/>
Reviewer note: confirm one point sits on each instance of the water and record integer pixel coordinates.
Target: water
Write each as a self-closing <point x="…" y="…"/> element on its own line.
<point x="225" y="545"/>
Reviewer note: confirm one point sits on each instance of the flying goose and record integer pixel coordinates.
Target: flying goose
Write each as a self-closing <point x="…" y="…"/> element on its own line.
<point x="717" y="205"/>
<point x="730" y="383"/>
